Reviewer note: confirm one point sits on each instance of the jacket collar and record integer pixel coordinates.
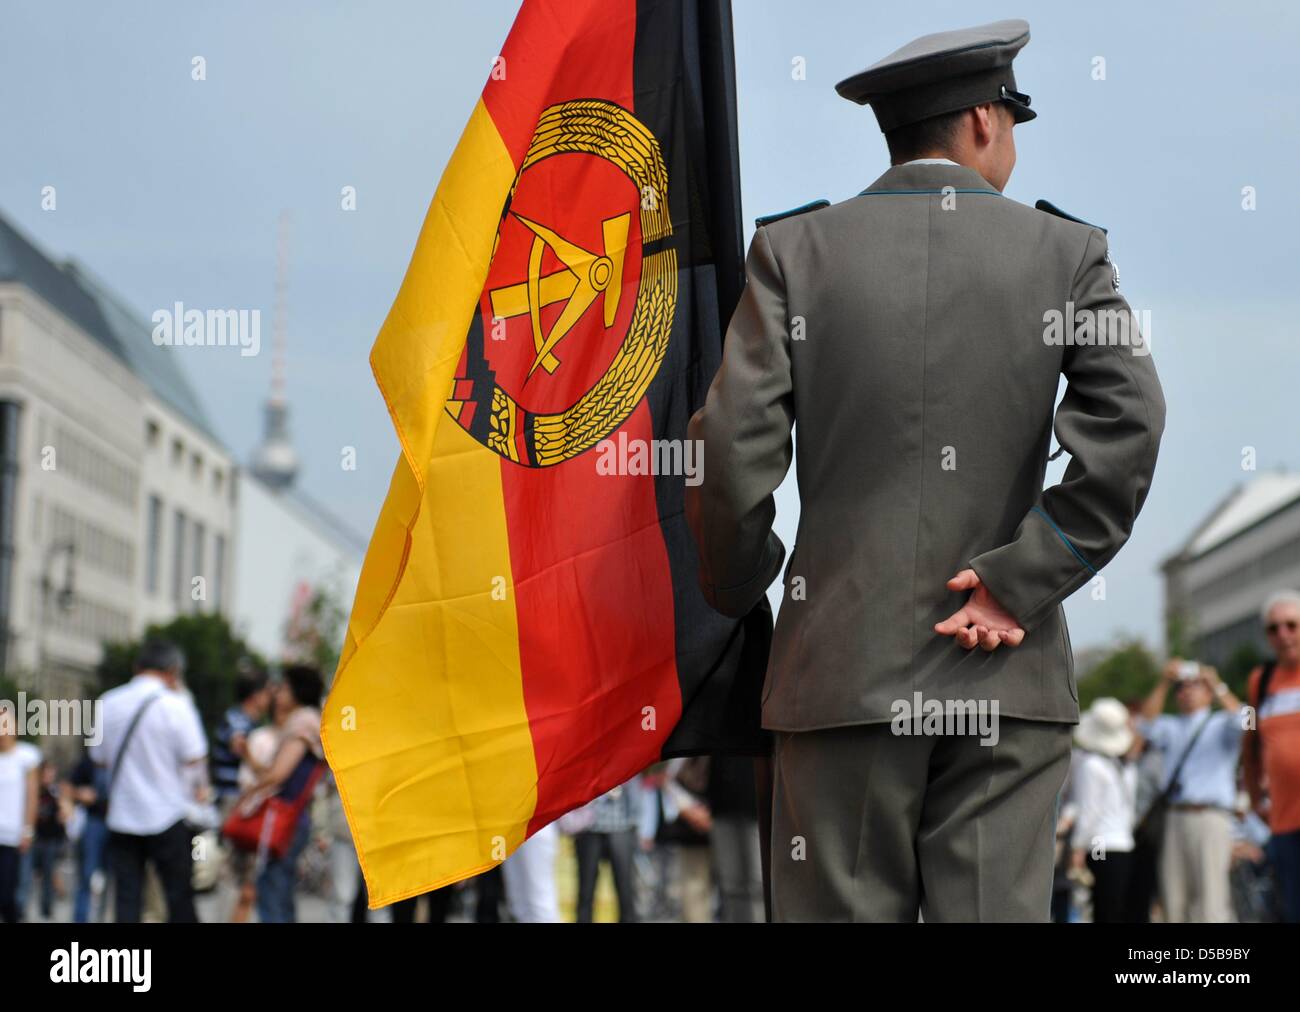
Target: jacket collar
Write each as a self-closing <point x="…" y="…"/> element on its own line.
<point x="931" y="177"/>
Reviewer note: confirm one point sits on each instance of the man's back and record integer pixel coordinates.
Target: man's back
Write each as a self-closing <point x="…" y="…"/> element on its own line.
<point x="914" y="337"/>
<point x="904" y="331"/>
<point x="150" y="792"/>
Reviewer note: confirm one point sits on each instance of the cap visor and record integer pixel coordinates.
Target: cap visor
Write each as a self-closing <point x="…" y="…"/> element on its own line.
<point x="1022" y="113"/>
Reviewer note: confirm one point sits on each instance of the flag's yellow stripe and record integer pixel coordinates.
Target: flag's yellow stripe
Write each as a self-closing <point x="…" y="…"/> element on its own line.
<point x="425" y="726"/>
<point x="415" y="355"/>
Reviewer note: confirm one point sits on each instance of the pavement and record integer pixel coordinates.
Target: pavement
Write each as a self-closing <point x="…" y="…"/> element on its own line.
<point x="316" y="902"/>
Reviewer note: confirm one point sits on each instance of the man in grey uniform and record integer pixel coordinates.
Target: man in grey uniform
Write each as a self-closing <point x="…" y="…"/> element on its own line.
<point x="917" y="333"/>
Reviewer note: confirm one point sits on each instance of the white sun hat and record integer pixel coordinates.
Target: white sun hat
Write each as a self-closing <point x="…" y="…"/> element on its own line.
<point x="1105" y="728"/>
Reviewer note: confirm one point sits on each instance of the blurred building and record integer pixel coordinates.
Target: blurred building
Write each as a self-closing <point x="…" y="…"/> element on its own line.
<point x="290" y="548"/>
<point x="1244" y="551"/>
<point x="119" y="505"/>
<point x="293" y="555"/>
<point x="185" y="515"/>
<point x="71" y="439"/>
<point x="114" y="493"/>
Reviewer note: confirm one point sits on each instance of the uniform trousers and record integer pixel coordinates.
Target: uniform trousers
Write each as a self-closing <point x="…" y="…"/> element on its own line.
<point x="870" y="825"/>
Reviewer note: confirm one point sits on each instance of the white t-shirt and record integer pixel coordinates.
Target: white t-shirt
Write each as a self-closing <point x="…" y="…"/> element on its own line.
<point x="151" y="792"/>
<point x="14" y="767"/>
<point x="1105" y="791"/>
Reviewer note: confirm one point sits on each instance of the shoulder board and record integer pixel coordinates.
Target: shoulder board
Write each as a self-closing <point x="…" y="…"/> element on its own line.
<point x="815" y="205"/>
<point x="1050" y="208"/>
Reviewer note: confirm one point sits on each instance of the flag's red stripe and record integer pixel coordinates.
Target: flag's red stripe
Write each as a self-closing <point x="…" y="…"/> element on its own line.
<point x="559" y="50"/>
<point x="593" y="591"/>
<point x="592" y="583"/>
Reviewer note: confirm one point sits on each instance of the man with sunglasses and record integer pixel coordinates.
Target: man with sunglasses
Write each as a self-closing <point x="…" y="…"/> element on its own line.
<point x="1199" y="748"/>
<point x="1271" y="752"/>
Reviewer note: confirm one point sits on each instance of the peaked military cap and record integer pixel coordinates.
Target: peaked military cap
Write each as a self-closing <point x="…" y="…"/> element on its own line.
<point x="943" y="73"/>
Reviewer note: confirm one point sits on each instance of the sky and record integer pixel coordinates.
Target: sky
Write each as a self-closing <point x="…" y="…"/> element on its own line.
<point x="169" y="189"/>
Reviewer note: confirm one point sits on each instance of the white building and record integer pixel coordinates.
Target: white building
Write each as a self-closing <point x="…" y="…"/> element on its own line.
<point x="288" y="548"/>
<point x="119" y="505"/>
<point x="70" y="450"/>
<point x="1244" y="551"/>
<point x="98" y="434"/>
<point x="186" y="516"/>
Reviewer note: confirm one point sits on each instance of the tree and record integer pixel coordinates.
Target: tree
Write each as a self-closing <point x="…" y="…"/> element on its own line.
<point x="1236" y="672"/>
<point x="314" y="632"/>
<point x="214" y="658"/>
<point x="9" y="689"/>
<point x="1180" y="640"/>
<point x="1127" y="673"/>
<point x="1130" y="671"/>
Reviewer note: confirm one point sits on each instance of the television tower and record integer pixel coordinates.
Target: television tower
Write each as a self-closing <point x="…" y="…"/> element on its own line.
<point x="275" y="462"/>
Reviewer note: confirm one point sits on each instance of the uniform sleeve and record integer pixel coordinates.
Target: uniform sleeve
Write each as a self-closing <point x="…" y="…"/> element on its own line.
<point x="745" y="431"/>
<point x="1110" y="421"/>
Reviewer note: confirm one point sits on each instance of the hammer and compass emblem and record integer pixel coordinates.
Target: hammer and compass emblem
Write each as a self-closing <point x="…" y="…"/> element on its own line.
<point x="519" y="396"/>
<point x="586" y="277"/>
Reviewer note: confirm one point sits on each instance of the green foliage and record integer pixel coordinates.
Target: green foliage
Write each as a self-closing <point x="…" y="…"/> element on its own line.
<point x="314" y="635"/>
<point x="1179" y="639"/>
<point x="1236" y="672"/>
<point x="9" y="689"/>
<point x="1128" y="672"/>
<point x="214" y="657"/>
<point x="115" y="665"/>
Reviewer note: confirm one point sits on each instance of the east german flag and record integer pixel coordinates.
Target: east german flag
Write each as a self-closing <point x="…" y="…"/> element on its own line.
<point x="528" y="632"/>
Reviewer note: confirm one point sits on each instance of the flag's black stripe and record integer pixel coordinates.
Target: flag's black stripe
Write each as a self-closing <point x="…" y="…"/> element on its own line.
<point x="530" y="436"/>
<point x="481" y="376"/>
<point x="649" y="249"/>
<point x="722" y="140"/>
<point x="684" y="83"/>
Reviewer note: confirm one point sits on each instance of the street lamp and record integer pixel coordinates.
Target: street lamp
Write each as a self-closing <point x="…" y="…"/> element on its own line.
<point x="64" y="597"/>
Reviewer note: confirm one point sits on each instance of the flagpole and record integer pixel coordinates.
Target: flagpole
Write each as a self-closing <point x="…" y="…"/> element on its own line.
<point x="719" y="86"/>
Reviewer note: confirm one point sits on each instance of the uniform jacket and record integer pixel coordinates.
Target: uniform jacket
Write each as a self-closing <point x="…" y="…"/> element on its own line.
<point x="902" y="340"/>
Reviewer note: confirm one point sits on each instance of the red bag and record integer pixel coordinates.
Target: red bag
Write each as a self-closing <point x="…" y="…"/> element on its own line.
<point x="270" y="827"/>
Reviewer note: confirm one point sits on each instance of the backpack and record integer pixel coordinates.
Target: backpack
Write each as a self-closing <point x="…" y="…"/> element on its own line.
<point x="1265" y="676"/>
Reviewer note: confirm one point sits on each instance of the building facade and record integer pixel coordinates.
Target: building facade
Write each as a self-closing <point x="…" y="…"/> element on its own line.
<point x="185" y="513"/>
<point x="116" y="500"/>
<point x="72" y="446"/>
<point x="289" y="548"/>
<point x="1247" y="549"/>
<point x="119" y="505"/>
